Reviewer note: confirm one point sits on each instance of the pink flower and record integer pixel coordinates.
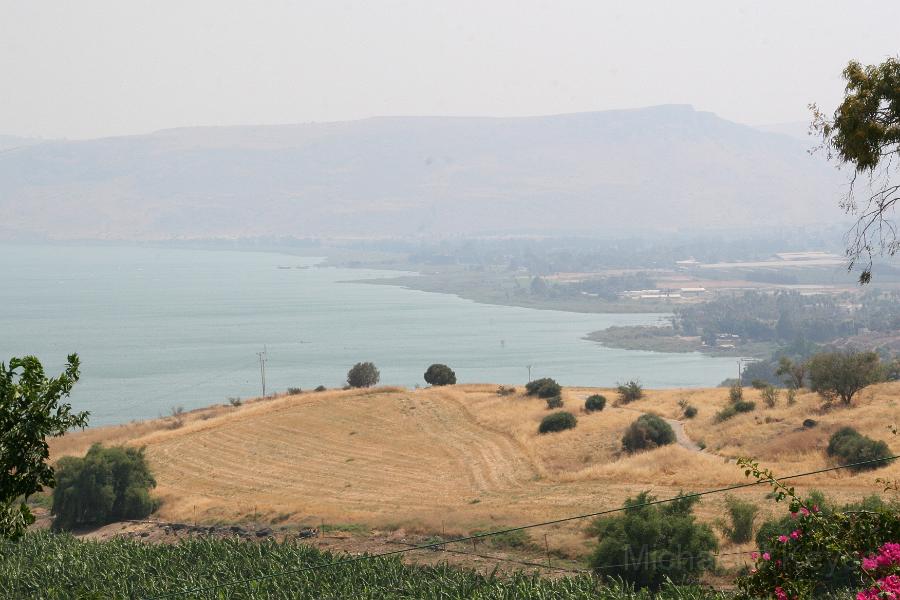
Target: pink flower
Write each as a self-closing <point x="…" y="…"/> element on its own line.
<point x="754" y="555"/>
<point x="780" y="594"/>
<point x="783" y="539"/>
<point x="869" y="563"/>
<point x="816" y="508"/>
<point x="795" y="534"/>
<point x="793" y="515"/>
<point x="804" y="512"/>
<point x="767" y="556"/>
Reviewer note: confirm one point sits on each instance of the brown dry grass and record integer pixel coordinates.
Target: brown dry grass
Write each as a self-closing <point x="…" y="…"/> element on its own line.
<point x="463" y="458"/>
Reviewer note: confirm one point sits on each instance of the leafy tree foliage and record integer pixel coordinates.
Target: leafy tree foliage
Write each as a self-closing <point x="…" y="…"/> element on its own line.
<point x="843" y="374"/>
<point x="793" y="372"/>
<point x="363" y="374"/>
<point x="629" y="392"/>
<point x="544" y="387"/>
<point x="864" y="133"/>
<point x="31" y="410"/>
<point x="438" y="374"/>
<point x="649" y="544"/>
<point x="557" y="421"/>
<point x="107" y="485"/>
<point x="595" y="402"/>
<point x="647" y="432"/>
<point x="850" y="447"/>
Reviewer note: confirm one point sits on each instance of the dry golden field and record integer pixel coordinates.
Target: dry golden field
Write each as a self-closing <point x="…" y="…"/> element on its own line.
<point x="463" y="458"/>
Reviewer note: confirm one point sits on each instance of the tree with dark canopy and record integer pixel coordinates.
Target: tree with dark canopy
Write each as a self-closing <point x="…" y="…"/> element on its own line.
<point x="363" y="374"/>
<point x="438" y="374"/>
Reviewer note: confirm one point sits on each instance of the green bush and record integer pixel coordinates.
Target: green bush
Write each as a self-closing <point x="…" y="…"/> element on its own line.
<point x="555" y="402"/>
<point x="850" y="447"/>
<point x="506" y="390"/>
<point x="320" y="388"/>
<point x="647" y="432"/>
<point x="363" y="374"/>
<point x="648" y="545"/>
<point x="595" y="402"/>
<point x="690" y="412"/>
<point x="293" y="391"/>
<point x="733" y="409"/>
<point x="629" y="392"/>
<point x="543" y="388"/>
<point x="438" y="374"/>
<point x="736" y="393"/>
<point x="741" y="516"/>
<point x="819" y="552"/>
<point x="107" y="485"/>
<point x="557" y="421"/>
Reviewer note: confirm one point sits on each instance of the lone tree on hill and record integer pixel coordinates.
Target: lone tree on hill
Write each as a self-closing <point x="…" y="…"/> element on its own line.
<point x="363" y="374"/>
<point x="843" y="374"/>
<point x="438" y="374"/>
<point x="30" y="412"/>
<point x="864" y="133"/>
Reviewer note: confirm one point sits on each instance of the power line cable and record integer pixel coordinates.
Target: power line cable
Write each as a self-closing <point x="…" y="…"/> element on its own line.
<point x="479" y="536"/>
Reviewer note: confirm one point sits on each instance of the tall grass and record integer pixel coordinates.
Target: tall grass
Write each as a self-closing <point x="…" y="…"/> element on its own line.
<point x="56" y="566"/>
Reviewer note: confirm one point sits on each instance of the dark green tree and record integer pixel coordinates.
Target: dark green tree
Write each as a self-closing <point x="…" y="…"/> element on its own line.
<point x="557" y="421"/>
<point x="363" y="374"/>
<point x="438" y="374"/>
<point x="31" y="410"/>
<point x="544" y="387"/>
<point x="843" y="374"/>
<point x="864" y="133"/>
<point x="647" y="432"/>
<point x="107" y="485"/>
<point x="648" y="544"/>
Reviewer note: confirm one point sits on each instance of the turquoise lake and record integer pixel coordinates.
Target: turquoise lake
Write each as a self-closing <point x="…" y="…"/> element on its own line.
<point x="157" y="328"/>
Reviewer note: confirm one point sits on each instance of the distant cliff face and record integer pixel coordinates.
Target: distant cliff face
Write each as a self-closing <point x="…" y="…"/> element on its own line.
<point x="659" y="168"/>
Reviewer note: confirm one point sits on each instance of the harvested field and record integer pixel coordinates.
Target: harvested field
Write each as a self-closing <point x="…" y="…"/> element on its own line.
<point x="461" y="458"/>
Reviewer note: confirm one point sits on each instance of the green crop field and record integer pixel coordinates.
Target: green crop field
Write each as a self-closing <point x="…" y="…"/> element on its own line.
<point x="47" y="565"/>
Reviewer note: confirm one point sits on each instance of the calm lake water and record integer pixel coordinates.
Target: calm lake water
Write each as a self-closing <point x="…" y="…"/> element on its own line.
<point x="156" y="328"/>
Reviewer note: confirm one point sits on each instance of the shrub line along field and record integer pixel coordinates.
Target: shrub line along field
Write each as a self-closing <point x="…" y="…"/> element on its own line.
<point x="458" y="459"/>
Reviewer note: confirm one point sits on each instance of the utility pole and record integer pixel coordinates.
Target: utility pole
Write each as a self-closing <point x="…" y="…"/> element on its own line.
<point x="263" y="357"/>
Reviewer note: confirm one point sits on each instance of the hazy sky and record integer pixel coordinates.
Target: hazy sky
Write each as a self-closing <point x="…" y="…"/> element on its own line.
<point x="91" y="68"/>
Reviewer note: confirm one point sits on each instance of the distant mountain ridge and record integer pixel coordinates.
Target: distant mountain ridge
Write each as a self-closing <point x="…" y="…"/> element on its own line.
<point x="660" y="168"/>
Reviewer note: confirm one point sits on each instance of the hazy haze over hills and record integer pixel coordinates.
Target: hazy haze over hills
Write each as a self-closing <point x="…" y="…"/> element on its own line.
<point x="659" y="168"/>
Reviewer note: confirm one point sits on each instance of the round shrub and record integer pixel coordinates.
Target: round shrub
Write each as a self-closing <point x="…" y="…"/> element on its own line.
<point x="557" y="421"/>
<point x="363" y="374"/>
<point x="438" y="374"/>
<point x="690" y="412"/>
<point x="850" y="446"/>
<point x="595" y="403"/>
<point x="648" y="431"/>
<point x="543" y="388"/>
<point x="321" y="388"/>
<point x="555" y="402"/>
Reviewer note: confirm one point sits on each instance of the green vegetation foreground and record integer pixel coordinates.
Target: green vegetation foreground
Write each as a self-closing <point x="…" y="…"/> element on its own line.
<point x="123" y="568"/>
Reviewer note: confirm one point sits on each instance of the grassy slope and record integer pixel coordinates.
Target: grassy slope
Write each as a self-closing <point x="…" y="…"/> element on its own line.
<point x="463" y="458"/>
